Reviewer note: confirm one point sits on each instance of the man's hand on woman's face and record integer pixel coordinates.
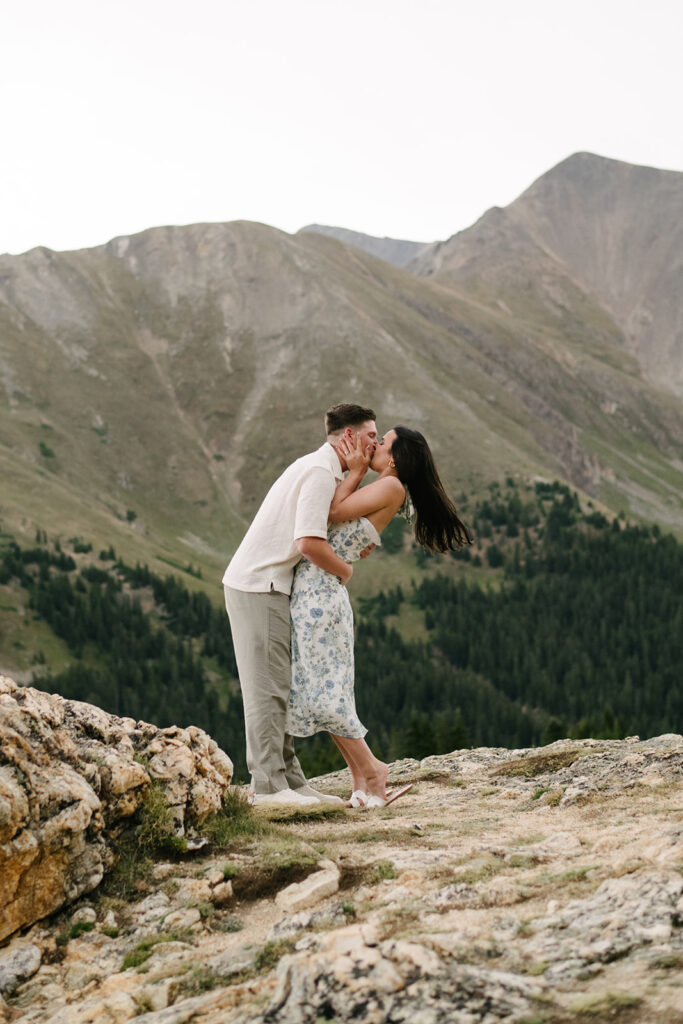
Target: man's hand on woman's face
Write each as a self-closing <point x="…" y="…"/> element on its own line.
<point x="356" y="457"/>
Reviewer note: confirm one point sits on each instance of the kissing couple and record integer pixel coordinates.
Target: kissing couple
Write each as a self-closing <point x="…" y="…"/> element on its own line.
<point x="289" y="609"/>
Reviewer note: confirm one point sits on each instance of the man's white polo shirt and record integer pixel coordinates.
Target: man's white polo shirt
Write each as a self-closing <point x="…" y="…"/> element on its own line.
<point x="297" y="505"/>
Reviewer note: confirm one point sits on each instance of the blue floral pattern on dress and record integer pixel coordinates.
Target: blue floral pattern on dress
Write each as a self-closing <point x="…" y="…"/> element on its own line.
<point x="322" y="694"/>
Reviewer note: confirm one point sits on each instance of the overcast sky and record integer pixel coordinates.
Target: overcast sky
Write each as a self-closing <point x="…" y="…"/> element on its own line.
<point x="405" y="118"/>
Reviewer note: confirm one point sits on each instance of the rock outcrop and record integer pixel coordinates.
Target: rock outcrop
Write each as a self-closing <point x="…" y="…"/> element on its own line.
<point x="71" y="776"/>
<point x="539" y="885"/>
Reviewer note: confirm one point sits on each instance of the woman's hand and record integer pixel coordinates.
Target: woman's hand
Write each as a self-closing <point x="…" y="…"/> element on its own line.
<point x="356" y="459"/>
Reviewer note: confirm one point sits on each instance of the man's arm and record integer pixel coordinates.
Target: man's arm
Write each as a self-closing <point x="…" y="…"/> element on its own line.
<point x="310" y="531"/>
<point x="318" y="551"/>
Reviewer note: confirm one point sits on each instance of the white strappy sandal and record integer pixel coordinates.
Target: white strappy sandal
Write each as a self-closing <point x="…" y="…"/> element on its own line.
<point x="378" y="801"/>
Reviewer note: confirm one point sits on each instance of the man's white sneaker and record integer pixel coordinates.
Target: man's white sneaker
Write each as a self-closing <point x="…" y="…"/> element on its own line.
<point x="324" y="798"/>
<point x="285" y="798"/>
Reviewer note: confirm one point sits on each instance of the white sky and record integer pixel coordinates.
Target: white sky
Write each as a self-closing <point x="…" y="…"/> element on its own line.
<point x="406" y="118"/>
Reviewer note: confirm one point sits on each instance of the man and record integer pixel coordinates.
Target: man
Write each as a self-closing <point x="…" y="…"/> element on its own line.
<point x="291" y="523"/>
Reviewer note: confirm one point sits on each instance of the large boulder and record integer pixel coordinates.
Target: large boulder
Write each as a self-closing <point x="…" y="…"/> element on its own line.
<point x="70" y="777"/>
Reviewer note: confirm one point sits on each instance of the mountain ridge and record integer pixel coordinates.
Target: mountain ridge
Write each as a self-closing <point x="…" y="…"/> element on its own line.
<point x="615" y="229"/>
<point x="157" y="384"/>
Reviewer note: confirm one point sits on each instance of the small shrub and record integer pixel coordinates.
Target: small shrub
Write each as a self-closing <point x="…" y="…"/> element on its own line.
<point x="80" y="927"/>
<point x="206" y="910"/>
<point x="230" y="871"/>
<point x="385" y="869"/>
<point x="231" y="924"/>
<point x="201" y="979"/>
<point x="157" y="826"/>
<point x="271" y="953"/>
<point x="235" y="820"/>
<point x="143" y="950"/>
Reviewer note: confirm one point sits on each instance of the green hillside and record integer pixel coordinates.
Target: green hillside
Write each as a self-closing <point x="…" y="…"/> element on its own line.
<point x="557" y="621"/>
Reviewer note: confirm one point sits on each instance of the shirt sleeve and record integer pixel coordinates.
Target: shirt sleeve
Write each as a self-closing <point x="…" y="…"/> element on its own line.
<point x="313" y="504"/>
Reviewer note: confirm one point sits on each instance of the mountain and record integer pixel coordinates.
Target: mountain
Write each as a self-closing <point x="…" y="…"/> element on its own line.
<point x="154" y="386"/>
<point x="393" y="250"/>
<point x="610" y="229"/>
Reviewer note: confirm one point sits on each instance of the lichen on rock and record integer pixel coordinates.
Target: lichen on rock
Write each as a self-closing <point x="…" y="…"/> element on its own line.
<point x="71" y="776"/>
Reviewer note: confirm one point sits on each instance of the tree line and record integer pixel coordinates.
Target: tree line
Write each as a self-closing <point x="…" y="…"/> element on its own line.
<point x="577" y="630"/>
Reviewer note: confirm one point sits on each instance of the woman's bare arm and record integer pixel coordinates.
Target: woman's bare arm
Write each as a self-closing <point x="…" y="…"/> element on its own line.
<point x="382" y="495"/>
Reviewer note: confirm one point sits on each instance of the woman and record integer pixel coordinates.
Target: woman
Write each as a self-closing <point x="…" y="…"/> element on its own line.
<point x="322" y="694"/>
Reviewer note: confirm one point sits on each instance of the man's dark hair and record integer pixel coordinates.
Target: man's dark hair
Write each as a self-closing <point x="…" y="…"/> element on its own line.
<point x="339" y="417"/>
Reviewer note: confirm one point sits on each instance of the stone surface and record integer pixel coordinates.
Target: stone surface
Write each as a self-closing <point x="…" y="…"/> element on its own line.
<point x="305" y="894"/>
<point x="16" y="965"/>
<point x="458" y="904"/>
<point x="70" y="776"/>
<point x="222" y="892"/>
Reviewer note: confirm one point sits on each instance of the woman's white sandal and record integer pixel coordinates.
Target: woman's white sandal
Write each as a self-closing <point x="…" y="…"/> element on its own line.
<point x="359" y="798"/>
<point x="378" y="801"/>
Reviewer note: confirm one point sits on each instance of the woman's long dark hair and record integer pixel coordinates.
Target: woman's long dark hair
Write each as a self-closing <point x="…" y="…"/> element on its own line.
<point x="438" y="526"/>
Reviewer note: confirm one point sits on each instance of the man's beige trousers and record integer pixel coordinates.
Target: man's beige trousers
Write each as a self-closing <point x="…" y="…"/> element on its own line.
<point x="261" y="637"/>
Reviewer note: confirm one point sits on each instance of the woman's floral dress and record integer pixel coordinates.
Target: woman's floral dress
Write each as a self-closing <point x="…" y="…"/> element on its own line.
<point x="322" y="697"/>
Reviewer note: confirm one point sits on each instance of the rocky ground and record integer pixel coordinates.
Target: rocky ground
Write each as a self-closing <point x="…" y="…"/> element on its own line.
<point x="540" y="885"/>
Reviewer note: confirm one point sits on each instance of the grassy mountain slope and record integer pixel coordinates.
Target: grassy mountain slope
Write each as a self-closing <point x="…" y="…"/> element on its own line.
<point x="155" y="386"/>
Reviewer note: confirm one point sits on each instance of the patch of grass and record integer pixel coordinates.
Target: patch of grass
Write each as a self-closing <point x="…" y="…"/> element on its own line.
<point x="230" y="871"/>
<point x="605" y="1003"/>
<point x="385" y="869"/>
<point x="531" y="839"/>
<point x="537" y="764"/>
<point x="231" y="924"/>
<point x="574" y="875"/>
<point x="553" y="798"/>
<point x="131" y="875"/>
<point x="284" y="816"/>
<point x="206" y="910"/>
<point x="235" y="820"/>
<point x="348" y="908"/>
<point x="481" y="870"/>
<point x="269" y="955"/>
<point x="111" y="933"/>
<point x="198" y="980"/>
<point x="366" y="835"/>
<point x="156" y="828"/>
<point x="519" y="860"/>
<point x="144" y="949"/>
<point x="538" y="793"/>
<point x="278" y="861"/>
<point x="80" y="927"/>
